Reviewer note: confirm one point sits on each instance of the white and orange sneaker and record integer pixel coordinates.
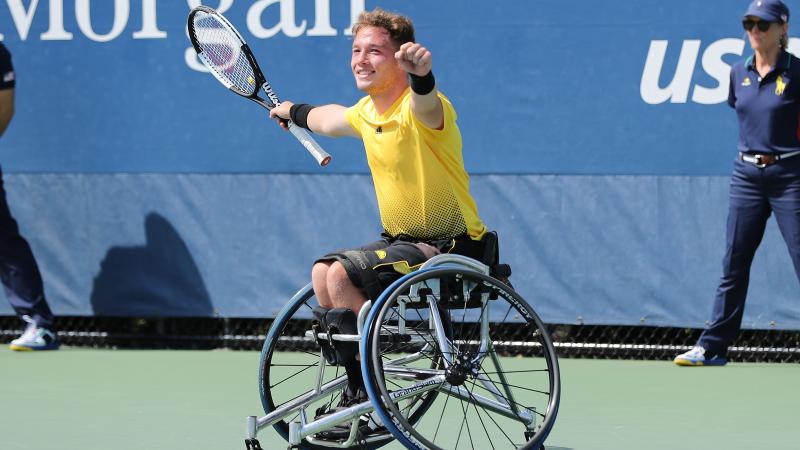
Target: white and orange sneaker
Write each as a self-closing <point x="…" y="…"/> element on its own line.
<point x="35" y="338"/>
<point x="698" y="356"/>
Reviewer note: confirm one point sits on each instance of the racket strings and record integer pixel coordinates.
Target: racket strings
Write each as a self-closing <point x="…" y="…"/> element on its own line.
<point x="223" y="54"/>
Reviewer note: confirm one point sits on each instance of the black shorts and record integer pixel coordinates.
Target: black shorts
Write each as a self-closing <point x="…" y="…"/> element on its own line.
<point x="373" y="267"/>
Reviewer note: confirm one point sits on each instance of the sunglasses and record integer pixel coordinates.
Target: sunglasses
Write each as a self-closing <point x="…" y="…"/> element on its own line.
<point x="762" y="25"/>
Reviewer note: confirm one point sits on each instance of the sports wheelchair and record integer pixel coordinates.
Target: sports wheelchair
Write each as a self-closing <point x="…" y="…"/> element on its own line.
<point x="451" y="358"/>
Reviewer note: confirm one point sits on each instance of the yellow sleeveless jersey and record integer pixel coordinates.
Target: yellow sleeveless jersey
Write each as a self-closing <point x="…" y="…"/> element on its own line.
<point x="418" y="172"/>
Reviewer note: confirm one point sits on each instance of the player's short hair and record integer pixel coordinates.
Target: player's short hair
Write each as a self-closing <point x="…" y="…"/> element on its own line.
<point x="399" y="27"/>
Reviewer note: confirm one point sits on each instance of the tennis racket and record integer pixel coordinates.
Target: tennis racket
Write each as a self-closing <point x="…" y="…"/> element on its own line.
<point x="221" y="48"/>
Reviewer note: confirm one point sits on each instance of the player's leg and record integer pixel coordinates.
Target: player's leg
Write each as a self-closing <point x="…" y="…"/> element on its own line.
<point x="322" y="267"/>
<point x="352" y="278"/>
<point x="342" y="291"/>
<point x="319" y="281"/>
<point x="340" y="299"/>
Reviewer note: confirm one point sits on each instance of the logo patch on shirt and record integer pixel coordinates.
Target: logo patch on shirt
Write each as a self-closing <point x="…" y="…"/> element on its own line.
<point x="381" y="254"/>
<point x="8" y="77"/>
<point x="780" y="85"/>
<point x="746" y="82"/>
<point x="379" y="130"/>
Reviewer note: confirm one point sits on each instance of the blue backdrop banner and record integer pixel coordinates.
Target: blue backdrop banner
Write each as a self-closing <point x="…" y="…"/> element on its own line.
<point x="613" y="249"/>
<point x="545" y="86"/>
<point x="597" y="134"/>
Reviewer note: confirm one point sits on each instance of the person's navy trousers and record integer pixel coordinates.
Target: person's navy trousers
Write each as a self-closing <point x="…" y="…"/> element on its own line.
<point x="755" y="193"/>
<point x="18" y="270"/>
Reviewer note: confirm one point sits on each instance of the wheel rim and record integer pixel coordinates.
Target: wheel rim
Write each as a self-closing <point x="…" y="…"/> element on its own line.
<point x="523" y="368"/>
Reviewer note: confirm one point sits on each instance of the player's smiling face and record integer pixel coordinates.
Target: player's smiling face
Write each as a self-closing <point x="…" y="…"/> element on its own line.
<point x="372" y="61"/>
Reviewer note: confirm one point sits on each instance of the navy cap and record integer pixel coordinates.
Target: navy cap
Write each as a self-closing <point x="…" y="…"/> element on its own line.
<point x="770" y="10"/>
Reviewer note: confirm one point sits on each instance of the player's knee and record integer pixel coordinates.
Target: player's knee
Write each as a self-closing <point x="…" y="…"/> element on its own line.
<point x="319" y="281"/>
<point x="337" y="276"/>
<point x="319" y="273"/>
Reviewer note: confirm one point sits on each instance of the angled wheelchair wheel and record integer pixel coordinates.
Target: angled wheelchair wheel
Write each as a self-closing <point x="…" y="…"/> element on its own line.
<point x="471" y="346"/>
<point x="289" y="374"/>
<point x="290" y="368"/>
<point x="289" y="361"/>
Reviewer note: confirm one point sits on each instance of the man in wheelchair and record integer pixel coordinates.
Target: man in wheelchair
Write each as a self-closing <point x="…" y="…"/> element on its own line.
<point x="414" y="151"/>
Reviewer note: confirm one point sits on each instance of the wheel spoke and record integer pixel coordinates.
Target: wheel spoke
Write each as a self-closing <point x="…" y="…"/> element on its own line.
<point x="490" y="418"/>
<point x="294" y="365"/>
<point x="509" y="401"/>
<point x="477" y="413"/>
<point x="444" y="408"/>
<point x="465" y="422"/>
<point x="335" y="395"/>
<point x="292" y="375"/>
<point x="517" y="371"/>
<point x="315" y="355"/>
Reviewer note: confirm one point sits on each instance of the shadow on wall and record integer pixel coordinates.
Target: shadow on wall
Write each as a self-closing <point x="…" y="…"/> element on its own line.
<point x="159" y="279"/>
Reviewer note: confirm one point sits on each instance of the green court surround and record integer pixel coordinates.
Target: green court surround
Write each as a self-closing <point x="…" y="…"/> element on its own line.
<point x="88" y="399"/>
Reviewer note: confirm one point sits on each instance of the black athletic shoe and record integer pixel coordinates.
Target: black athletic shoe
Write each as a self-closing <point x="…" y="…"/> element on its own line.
<point x="347" y="400"/>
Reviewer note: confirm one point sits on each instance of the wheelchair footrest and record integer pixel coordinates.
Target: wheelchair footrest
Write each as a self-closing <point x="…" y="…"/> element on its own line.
<point x="252" y="444"/>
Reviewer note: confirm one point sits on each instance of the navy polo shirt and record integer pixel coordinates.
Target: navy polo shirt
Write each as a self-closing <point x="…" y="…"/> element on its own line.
<point x="768" y="108"/>
<point x="6" y="69"/>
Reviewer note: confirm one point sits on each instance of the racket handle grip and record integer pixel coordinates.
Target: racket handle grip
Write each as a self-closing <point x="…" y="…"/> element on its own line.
<point x="322" y="157"/>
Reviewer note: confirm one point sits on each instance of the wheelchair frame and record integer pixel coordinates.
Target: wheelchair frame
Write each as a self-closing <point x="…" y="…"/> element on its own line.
<point x="434" y="381"/>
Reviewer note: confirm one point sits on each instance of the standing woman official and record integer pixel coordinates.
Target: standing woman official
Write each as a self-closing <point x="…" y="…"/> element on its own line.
<point x="765" y="91"/>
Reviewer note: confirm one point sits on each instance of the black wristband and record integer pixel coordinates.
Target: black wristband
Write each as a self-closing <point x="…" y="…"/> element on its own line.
<point x="422" y="85"/>
<point x="298" y="113"/>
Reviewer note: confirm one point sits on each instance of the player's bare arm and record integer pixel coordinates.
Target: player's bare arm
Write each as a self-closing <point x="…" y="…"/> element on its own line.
<point x="6" y="108"/>
<point x="417" y="60"/>
<point x="327" y="120"/>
